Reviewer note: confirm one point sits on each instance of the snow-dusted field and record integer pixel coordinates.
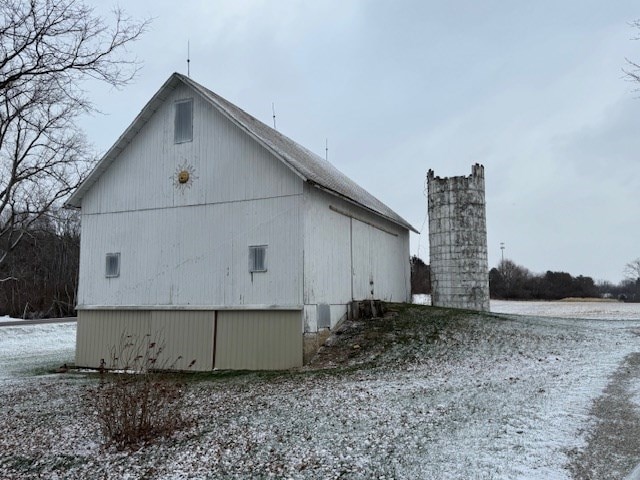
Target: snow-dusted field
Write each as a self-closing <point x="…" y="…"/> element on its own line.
<point x="567" y="309"/>
<point x="28" y="349"/>
<point x="449" y="396"/>
<point x="559" y="309"/>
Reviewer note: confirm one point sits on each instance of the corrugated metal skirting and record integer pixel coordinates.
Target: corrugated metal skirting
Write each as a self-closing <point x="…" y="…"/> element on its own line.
<point x="244" y="340"/>
<point x="259" y="340"/>
<point x="185" y="336"/>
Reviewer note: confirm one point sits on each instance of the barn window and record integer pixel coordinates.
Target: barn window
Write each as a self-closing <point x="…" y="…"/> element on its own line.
<point x="258" y="258"/>
<point x="183" y="126"/>
<point x="112" y="268"/>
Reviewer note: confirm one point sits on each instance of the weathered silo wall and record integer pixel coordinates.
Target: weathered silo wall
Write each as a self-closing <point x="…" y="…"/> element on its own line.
<point x="458" y="241"/>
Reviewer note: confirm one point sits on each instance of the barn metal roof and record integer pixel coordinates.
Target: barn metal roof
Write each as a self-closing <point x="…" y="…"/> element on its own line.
<point x="310" y="167"/>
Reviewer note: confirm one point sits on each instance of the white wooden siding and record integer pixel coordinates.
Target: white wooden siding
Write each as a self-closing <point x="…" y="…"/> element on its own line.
<point x="327" y="247"/>
<point x="338" y="313"/>
<point x="378" y="264"/>
<point x="189" y="246"/>
<point x="185" y="335"/>
<point x="195" y="255"/>
<point x="228" y="164"/>
<point x="258" y="340"/>
<point x="346" y="248"/>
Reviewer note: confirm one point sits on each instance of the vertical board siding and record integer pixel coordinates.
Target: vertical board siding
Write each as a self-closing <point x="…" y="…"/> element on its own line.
<point x="189" y="245"/>
<point x="378" y="264"/>
<point x="310" y="316"/>
<point x="343" y="255"/>
<point x="186" y="334"/>
<point x="327" y="251"/>
<point x="258" y="340"/>
<point x="225" y="165"/>
<point x="194" y="255"/>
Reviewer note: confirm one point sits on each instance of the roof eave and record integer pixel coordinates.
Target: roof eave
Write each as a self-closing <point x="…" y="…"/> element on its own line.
<point x="404" y="224"/>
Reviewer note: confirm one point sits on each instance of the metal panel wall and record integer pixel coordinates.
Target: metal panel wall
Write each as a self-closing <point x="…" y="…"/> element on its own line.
<point x="99" y="334"/>
<point x="258" y="340"/>
<point x="187" y="337"/>
<point x="183" y="335"/>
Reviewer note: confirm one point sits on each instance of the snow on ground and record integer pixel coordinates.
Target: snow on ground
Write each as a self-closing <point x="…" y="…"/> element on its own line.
<point x="7" y="318"/>
<point x="28" y="348"/>
<point x="452" y="397"/>
<point x="570" y="309"/>
<point x="558" y="309"/>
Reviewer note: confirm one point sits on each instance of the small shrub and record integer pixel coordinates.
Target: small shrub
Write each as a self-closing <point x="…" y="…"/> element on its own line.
<point x="134" y="404"/>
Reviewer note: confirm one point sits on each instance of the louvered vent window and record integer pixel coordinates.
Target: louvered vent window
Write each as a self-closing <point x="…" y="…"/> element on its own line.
<point x="112" y="268"/>
<point x="183" y="128"/>
<point x="258" y="258"/>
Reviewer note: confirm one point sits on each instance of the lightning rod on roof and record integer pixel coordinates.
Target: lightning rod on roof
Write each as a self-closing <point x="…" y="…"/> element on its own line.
<point x="188" y="59"/>
<point x="273" y="109"/>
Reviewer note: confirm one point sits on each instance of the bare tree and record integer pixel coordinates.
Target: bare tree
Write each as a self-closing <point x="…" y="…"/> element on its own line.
<point x="632" y="270"/>
<point x="41" y="274"/>
<point x="632" y="72"/>
<point x="48" y="49"/>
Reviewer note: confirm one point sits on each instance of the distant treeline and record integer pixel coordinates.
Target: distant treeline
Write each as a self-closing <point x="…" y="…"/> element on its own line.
<point x="509" y="281"/>
<point x="39" y="277"/>
<point x="420" y="276"/>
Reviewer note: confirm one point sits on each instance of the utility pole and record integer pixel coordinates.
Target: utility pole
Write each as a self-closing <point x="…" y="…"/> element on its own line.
<point x="502" y="248"/>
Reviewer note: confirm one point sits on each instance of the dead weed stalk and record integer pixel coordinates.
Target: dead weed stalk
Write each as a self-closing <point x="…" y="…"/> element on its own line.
<point x="134" y="402"/>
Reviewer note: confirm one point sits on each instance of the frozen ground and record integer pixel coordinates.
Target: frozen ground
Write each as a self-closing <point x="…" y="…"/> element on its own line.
<point x="559" y="309"/>
<point x="428" y="394"/>
<point x="29" y="349"/>
<point x="564" y="309"/>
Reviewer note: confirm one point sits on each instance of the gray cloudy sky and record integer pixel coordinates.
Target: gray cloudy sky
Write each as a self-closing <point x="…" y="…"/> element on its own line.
<point x="532" y="90"/>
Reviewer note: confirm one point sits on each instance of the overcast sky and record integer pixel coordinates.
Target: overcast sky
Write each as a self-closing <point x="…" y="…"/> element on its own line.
<point x="532" y="90"/>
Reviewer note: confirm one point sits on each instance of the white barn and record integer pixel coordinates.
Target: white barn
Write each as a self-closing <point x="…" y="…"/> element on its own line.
<point x="232" y="242"/>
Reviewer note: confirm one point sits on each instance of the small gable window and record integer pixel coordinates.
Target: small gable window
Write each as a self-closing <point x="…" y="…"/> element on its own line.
<point x="112" y="267"/>
<point x="258" y="258"/>
<point x="183" y="125"/>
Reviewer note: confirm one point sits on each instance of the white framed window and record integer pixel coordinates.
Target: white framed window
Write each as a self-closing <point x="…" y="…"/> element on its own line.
<point x="112" y="265"/>
<point x="183" y="122"/>
<point x="258" y="258"/>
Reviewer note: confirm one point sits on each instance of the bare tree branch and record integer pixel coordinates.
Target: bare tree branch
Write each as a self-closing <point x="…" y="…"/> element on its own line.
<point x="632" y="270"/>
<point x="47" y="50"/>
<point x="632" y="72"/>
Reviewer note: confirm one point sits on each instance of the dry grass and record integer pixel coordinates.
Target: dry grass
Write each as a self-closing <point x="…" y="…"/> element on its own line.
<point x="134" y="405"/>
<point x="133" y="410"/>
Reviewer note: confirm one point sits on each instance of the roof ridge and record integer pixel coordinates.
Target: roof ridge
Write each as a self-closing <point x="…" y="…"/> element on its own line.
<point x="302" y="161"/>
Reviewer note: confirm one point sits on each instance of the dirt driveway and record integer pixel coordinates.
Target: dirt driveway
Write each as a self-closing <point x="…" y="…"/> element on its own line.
<point x="613" y="443"/>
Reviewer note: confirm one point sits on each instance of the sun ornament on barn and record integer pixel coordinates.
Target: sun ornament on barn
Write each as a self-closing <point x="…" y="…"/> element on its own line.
<point x="184" y="176"/>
